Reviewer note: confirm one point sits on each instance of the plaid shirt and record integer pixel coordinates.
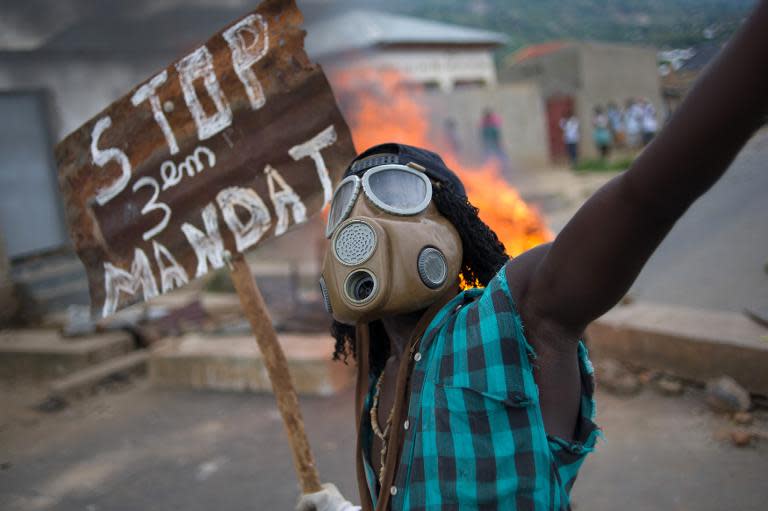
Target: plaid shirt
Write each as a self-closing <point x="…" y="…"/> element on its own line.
<point x="474" y="436"/>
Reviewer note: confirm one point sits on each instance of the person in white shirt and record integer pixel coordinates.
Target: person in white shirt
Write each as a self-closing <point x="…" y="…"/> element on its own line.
<point x="632" y="123"/>
<point x="649" y="123"/>
<point x="570" y="127"/>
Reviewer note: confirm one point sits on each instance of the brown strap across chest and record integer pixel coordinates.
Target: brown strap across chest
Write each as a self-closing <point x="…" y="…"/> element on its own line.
<point x="395" y="440"/>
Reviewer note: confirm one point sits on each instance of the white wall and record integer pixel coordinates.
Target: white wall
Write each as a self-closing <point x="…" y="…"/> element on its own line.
<point x="425" y="66"/>
<point x="615" y="73"/>
<point x="523" y="129"/>
<point x="79" y="89"/>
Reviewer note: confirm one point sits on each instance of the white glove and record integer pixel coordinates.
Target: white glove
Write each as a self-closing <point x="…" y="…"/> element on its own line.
<point x="327" y="499"/>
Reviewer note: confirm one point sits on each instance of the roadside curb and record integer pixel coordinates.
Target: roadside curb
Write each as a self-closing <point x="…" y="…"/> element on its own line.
<point x="693" y="344"/>
<point x="234" y="363"/>
<point x="40" y="354"/>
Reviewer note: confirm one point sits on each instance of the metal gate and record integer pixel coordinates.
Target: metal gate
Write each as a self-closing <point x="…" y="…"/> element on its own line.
<point x="558" y="107"/>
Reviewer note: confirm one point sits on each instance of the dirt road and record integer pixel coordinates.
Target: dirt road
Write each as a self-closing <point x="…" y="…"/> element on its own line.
<point x="150" y="449"/>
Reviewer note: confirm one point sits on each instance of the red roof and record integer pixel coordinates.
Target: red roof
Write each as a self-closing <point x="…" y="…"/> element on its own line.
<point x="537" y="50"/>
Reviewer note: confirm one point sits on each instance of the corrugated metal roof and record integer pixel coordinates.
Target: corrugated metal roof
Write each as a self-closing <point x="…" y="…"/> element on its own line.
<point x="703" y="55"/>
<point x="361" y="29"/>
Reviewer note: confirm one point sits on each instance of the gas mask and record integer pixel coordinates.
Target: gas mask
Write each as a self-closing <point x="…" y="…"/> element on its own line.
<point x="391" y="251"/>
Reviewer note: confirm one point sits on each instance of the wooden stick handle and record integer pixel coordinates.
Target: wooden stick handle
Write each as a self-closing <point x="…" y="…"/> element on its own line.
<point x="274" y="359"/>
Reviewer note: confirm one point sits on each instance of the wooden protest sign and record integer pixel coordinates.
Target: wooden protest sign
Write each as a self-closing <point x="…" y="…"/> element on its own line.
<point x="228" y="146"/>
<point x="221" y="150"/>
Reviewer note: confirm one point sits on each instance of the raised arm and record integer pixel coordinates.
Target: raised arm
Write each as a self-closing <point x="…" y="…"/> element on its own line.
<point x="600" y="252"/>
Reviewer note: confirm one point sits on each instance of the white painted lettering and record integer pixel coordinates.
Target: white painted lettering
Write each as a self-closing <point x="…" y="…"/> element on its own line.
<point x="194" y="158"/>
<point x="149" y="91"/>
<point x="170" y="174"/>
<point x="117" y="281"/>
<point x="282" y="199"/>
<point x="153" y="205"/>
<point x="245" y="55"/>
<point x="250" y="232"/>
<point x="103" y="156"/>
<point x="172" y="275"/>
<point x="207" y="245"/>
<point x="312" y="149"/>
<point x="197" y="65"/>
<point x="192" y="164"/>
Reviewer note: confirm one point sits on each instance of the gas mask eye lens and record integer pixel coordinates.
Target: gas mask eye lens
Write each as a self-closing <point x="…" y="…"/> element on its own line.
<point x="398" y="189"/>
<point x="342" y="202"/>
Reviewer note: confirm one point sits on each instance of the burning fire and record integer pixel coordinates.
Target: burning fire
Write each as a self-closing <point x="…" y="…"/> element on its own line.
<point x="379" y="108"/>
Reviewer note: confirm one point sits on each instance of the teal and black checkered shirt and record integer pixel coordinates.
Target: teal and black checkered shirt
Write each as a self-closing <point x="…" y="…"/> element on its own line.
<point x="475" y="436"/>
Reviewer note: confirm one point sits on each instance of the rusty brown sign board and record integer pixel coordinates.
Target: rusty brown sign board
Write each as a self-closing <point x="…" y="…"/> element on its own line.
<point x="225" y="148"/>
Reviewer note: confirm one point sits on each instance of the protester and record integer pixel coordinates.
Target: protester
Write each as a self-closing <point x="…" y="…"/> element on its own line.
<point x="483" y="398"/>
<point x="615" y="119"/>
<point x="649" y="123"/>
<point x="601" y="133"/>
<point x="570" y="127"/>
<point x="451" y="136"/>
<point x="632" y="123"/>
<point x="490" y="135"/>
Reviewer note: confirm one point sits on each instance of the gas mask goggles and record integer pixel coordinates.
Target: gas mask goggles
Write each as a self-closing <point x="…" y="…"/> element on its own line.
<point x="391" y="252"/>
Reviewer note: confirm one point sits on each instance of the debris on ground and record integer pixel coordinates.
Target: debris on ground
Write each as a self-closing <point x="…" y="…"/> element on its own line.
<point x="616" y="378"/>
<point x="51" y="404"/>
<point x="647" y="376"/>
<point x="669" y="386"/>
<point x="627" y="300"/>
<point x="78" y="321"/>
<point x="174" y="322"/>
<point x="743" y="418"/>
<point x="725" y="395"/>
<point x="741" y="437"/>
<point x="756" y="317"/>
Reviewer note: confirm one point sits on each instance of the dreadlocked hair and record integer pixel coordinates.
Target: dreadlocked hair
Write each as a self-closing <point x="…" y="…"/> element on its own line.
<point x="345" y="346"/>
<point x="484" y="255"/>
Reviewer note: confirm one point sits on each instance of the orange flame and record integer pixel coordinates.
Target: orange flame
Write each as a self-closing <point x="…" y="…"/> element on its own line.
<point x="381" y="108"/>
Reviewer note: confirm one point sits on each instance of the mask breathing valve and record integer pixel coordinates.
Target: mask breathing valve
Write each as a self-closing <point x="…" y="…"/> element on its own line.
<point x="360" y="286"/>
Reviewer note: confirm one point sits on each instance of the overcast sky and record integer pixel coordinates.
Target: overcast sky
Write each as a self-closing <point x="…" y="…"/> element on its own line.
<point x="26" y="24"/>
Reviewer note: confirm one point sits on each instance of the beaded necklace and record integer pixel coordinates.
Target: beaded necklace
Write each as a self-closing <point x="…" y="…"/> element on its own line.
<point x="383" y="435"/>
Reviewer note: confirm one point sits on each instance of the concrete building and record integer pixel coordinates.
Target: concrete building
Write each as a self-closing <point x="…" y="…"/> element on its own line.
<point x="428" y="53"/>
<point x="452" y="65"/>
<point x="523" y="129"/>
<point x="55" y="82"/>
<point x="580" y="75"/>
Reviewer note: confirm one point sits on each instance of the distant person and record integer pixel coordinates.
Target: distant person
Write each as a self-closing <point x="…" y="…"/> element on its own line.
<point x="601" y="133"/>
<point x="490" y="135"/>
<point x="616" y="124"/>
<point x="632" y="123"/>
<point x="650" y="125"/>
<point x="451" y="136"/>
<point x="570" y="126"/>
